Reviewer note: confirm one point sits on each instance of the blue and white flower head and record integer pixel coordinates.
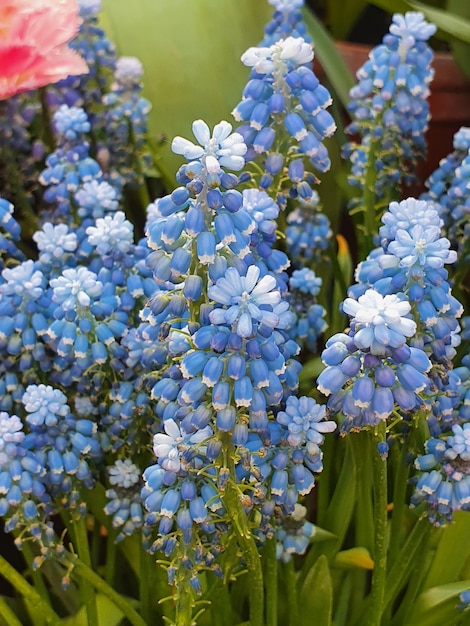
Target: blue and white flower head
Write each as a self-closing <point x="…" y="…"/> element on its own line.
<point x="306" y="281"/>
<point x="25" y="280"/>
<point x="286" y="5"/>
<point x="124" y="502"/>
<point x="45" y="405"/>
<point x="284" y="102"/>
<point x="287" y="20"/>
<point x="379" y="322"/>
<point x="71" y="122"/>
<point x="11" y="435"/>
<point x="409" y="29"/>
<point x="95" y="199"/>
<point x="305" y="421"/>
<point x="249" y="301"/>
<point x="170" y="447"/>
<point x="24" y="504"/>
<point x="76" y="288"/>
<point x="67" y="446"/>
<point x="275" y="59"/>
<point x="222" y="149"/>
<point x="128" y="72"/>
<point x="124" y="473"/>
<point x="406" y="214"/>
<point x="111" y="234"/>
<point x="389" y="106"/>
<point x="422" y="246"/>
<point x="444" y="479"/>
<point x="55" y="243"/>
<point x="308" y="233"/>
<point x="294" y="534"/>
<point x="89" y="8"/>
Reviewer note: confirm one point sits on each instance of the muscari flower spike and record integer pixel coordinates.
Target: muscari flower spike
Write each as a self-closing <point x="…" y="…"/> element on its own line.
<point x="287" y="20"/>
<point x="389" y="105"/>
<point x="126" y="123"/>
<point x="124" y="502"/>
<point x="284" y="90"/>
<point x="443" y="482"/>
<point x="234" y="358"/>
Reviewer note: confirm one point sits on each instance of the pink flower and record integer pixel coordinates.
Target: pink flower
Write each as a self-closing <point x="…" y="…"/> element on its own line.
<point x="33" y="44"/>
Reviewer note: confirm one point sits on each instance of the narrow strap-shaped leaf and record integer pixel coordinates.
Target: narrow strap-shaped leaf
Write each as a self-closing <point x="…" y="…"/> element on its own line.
<point x="452" y="552"/>
<point x="438" y="606"/>
<point x="316" y="595"/>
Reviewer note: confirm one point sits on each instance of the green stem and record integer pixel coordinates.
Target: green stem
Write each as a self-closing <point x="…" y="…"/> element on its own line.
<point x="36" y="574"/>
<point x="369" y="199"/>
<point x="29" y="593"/>
<point x="270" y="577"/>
<point x="380" y="535"/>
<point x="291" y="592"/>
<point x="145" y="585"/>
<point x="8" y="618"/>
<point x="110" y="566"/>
<point x="86" y="588"/>
<point x="184" y="598"/>
<point x="250" y="552"/>
<point x="399" y="495"/>
<point x="47" y="132"/>
<point x="364" y="451"/>
<point x="82" y="570"/>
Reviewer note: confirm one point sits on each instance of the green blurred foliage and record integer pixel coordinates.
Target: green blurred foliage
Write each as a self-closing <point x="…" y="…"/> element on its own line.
<point x="191" y="52"/>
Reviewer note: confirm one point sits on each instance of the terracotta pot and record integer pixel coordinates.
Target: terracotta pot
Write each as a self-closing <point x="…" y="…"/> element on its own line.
<point x="449" y="102"/>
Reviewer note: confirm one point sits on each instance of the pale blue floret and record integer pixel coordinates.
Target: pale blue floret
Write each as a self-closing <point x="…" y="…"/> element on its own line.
<point x="245" y="297"/>
<point x="25" y="279"/>
<point x="124" y="473"/>
<point x="305" y="281"/>
<point x="222" y="149"/>
<point x="54" y="242"/>
<point x="305" y="422"/>
<point x="95" y="198"/>
<point x="380" y="322"/>
<point x="76" y="288"/>
<point x="71" y="122"/>
<point x="11" y="435"/>
<point x="111" y="234"/>
<point x="45" y="405"/>
<point x="128" y="71"/>
<point x="169" y="447"/>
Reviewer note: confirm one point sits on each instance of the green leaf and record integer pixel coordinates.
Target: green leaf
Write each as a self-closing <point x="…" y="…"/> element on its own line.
<point x="343" y="15"/>
<point x="108" y="614"/>
<point x="460" y="50"/>
<point x="452" y="552"/>
<point x="316" y="595"/>
<point x="333" y="65"/>
<point x="338" y="515"/>
<point x="191" y="55"/>
<point x="438" y="606"/>
<point x="392" y="6"/>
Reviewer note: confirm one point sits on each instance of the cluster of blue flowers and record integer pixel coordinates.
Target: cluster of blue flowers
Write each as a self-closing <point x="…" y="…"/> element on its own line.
<point x="87" y="91"/>
<point x="220" y="315"/>
<point x="448" y="187"/>
<point x="395" y="360"/>
<point x="64" y="318"/>
<point x="287" y="21"/>
<point x="389" y="108"/>
<point x="167" y="367"/>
